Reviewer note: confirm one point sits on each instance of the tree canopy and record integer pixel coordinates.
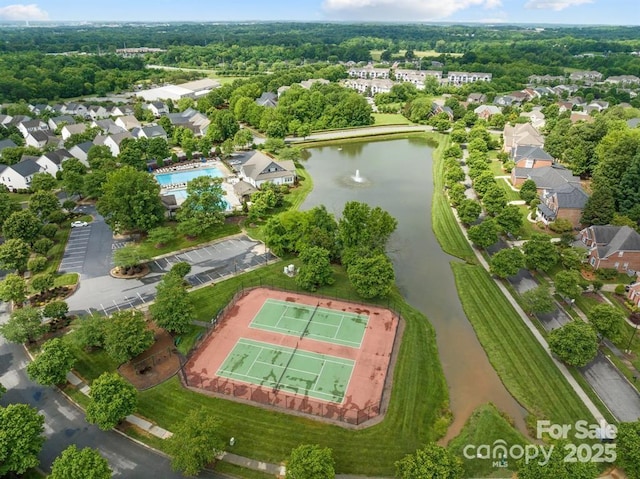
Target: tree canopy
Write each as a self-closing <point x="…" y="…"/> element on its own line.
<point x="430" y="462"/>
<point x="112" y="399"/>
<point x="575" y="343"/>
<point x="126" y="335"/>
<point x="21" y="438"/>
<point x="311" y="462"/>
<point x="52" y="364"/>
<point x="76" y="463"/>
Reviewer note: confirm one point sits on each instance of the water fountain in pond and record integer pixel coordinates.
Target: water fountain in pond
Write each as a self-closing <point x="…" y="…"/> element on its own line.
<point x="357" y="178"/>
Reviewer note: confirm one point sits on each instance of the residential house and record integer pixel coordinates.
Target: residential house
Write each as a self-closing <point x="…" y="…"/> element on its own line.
<point x="76" y="109"/>
<point x="530" y="157"/>
<point x="113" y="141"/>
<point x="97" y="112"/>
<point x="545" y="177"/>
<point x="487" y="111"/>
<point x="149" y="131"/>
<point x="16" y="120"/>
<point x="563" y="202"/>
<point x="577" y="116"/>
<point x="18" y="176"/>
<point x="307" y="84"/>
<point x="634" y="294"/>
<point x="108" y="126"/>
<point x="244" y="190"/>
<point x="5" y="120"/>
<point x="29" y="126"/>
<point x="476" y="98"/>
<point x="585" y="76"/>
<point x="633" y="122"/>
<point x="158" y="108"/>
<point x="523" y="134"/>
<point x="59" y="121"/>
<point x="81" y="151"/>
<point x="596" y="105"/>
<point x="128" y="122"/>
<point x="260" y="169"/>
<point x="615" y="247"/>
<point x="267" y="99"/>
<point x="437" y="108"/>
<point x="39" y="109"/>
<point x="6" y="143"/>
<point x="370" y="87"/>
<point x="550" y="79"/>
<point x="283" y="89"/>
<point x="51" y="162"/>
<point x="417" y="77"/>
<point x="461" y="78"/>
<point x="564" y="106"/>
<point x="623" y="80"/>
<point x="369" y="71"/>
<point x="75" y="129"/>
<point x="520" y="97"/>
<point x="42" y="139"/>
<point x="192" y="119"/>
<point x="536" y="117"/>
<point x="504" y="100"/>
<point x="120" y="110"/>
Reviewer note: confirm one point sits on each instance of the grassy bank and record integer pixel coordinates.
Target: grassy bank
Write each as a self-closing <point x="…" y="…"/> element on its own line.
<point x="390" y="119"/>
<point x="523" y="365"/>
<point x="444" y="223"/>
<point x="360" y="139"/>
<point x="419" y="396"/>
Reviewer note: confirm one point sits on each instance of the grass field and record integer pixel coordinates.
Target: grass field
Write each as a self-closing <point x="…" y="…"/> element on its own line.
<point x="390" y="119"/>
<point x="485" y="426"/>
<point x="511" y="195"/>
<point x="375" y="54"/>
<point x="524" y="367"/>
<point x="444" y="223"/>
<point x="417" y="412"/>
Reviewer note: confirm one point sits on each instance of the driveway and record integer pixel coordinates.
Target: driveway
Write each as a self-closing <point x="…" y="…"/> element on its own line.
<point x="107" y="295"/>
<point x="65" y="423"/>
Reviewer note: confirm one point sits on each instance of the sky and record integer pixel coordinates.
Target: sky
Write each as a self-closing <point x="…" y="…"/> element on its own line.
<point x="611" y="12"/>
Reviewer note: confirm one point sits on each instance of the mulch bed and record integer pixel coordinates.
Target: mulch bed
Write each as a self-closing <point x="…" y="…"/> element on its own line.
<point x="157" y="364"/>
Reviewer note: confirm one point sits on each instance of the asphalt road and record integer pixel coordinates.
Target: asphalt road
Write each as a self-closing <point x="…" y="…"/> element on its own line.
<point x="65" y="423"/>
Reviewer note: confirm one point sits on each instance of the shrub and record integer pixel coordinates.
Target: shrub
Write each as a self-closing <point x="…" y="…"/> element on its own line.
<point x="49" y="230"/>
<point x="37" y="264"/>
<point x="57" y="216"/>
<point x="620" y="290"/>
<point x="69" y="205"/>
<point x="42" y="246"/>
<point x="561" y="225"/>
<point x="606" y="274"/>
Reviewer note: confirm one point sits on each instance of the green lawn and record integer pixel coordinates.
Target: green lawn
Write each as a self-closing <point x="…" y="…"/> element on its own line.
<point x="485" y="426"/>
<point x="90" y="365"/>
<point x="444" y="223"/>
<point x="496" y="168"/>
<point x="511" y="195"/>
<point x="57" y="250"/>
<point x="67" y="279"/>
<point x="417" y="412"/>
<point x="236" y="471"/>
<point x="188" y="339"/>
<point x="390" y="119"/>
<point x="524" y="367"/>
<point x="181" y="242"/>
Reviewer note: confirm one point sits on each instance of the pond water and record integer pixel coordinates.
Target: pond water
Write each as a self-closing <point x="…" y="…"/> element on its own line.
<point x="397" y="176"/>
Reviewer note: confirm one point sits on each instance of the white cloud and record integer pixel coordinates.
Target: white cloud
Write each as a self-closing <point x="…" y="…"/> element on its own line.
<point x="23" y="12"/>
<point x="397" y="10"/>
<point x="556" y="5"/>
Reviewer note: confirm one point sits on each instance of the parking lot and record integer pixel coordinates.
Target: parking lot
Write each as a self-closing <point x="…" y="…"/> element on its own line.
<point x="75" y="253"/>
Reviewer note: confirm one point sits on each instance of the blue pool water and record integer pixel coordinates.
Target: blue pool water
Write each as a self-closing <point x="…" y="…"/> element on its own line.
<point x="185" y="176"/>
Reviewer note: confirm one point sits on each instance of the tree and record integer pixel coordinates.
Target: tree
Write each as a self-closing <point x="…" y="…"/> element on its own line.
<point x="538" y="300"/>
<point x="131" y="200"/>
<point x="468" y="211"/>
<point x="24" y="325"/>
<point x="364" y="227"/>
<point x="205" y="203"/>
<point x="628" y="447"/>
<point x="7" y="206"/>
<point x="483" y="182"/>
<point x="196" y="442"/>
<point x="160" y="236"/>
<point x="528" y="191"/>
<point x="84" y="463"/>
<point x="510" y="219"/>
<point x="14" y="254"/>
<point x="180" y="269"/>
<point x="557" y="467"/>
<point x="575" y="343"/>
<point x="243" y="138"/>
<point x="484" y="234"/>
<point x="126" y="335"/>
<point x="13" y="288"/>
<point x="55" y="310"/>
<point x="43" y="182"/>
<point x="22" y="225"/>
<point x="494" y="200"/>
<point x="567" y="284"/>
<point x="43" y="245"/>
<point x="173" y="308"/>
<point x="3" y="390"/>
<point x="42" y="282"/>
<point x="90" y="332"/>
<point x="607" y="320"/>
<point x="316" y="268"/>
<point x="21" y="438"/>
<point x="311" y="462"/>
<point x="52" y="364"/>
<point x="507" y="262"/>
<point x="599" y="208"/>
<point x="430" y="462"/>
<point x="73" y="182"/>
<point x="540" y="253"/>
<point x="43" y="203"/>
<point x="129" y="257"/>
<point x="112" y="399"/>
<point x="371" y="276"/>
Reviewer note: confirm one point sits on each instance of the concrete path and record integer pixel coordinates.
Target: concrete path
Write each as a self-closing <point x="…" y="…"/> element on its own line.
<point x="358" y="132"/>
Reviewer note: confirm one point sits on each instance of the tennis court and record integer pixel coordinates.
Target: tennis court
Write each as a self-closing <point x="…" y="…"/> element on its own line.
<point x="296" y="319"/>
<point x="306" y="373"/>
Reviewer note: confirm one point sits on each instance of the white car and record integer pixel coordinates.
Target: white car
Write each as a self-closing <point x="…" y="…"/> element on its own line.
<point x="79" y="224"/>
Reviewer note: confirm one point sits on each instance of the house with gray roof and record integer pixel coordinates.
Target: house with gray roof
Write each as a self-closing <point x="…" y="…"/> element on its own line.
<point x="149" y="131"/>
<point x="260" y="169"/>
<point x="59" y="121"/>
<point x="81" y="151"/>
<point x="108" y="126"/>
<point x="6" y="143"/>
<point x="616" y="247"/>
<point x="75" y="129"/>
<point x="268" y="100"/>
<point x="42" y="139"/>
<point x="530" y="156"/>
<point x="157" y="108"/>
<point x="18" y="177"/>
<point x="29" y="126"/>
<point x="564" y="202"/>
<point x="51" y="162"/>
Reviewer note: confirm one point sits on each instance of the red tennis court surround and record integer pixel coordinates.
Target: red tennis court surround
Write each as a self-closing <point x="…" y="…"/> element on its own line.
<point x="363" y="392"/>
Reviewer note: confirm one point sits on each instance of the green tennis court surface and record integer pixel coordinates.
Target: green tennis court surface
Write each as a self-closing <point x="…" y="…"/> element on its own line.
<point x="329" y="325"/>
<point x="278" y="367"/>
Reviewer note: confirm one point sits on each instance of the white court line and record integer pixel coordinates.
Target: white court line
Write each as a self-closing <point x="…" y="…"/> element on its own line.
<point x="315" y="383"/>
<point x="327" y="310"/>
<point x="324" y="338"/>
<point x="262" y="345"/>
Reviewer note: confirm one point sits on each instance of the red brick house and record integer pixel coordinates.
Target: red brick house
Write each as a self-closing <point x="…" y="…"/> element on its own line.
<point x="616" y="247"/>
<point x="634" y="294"/>
<point x="530" y="157"/>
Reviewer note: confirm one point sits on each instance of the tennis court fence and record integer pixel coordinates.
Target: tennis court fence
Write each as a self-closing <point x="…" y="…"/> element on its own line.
<point x="350" y="414"/>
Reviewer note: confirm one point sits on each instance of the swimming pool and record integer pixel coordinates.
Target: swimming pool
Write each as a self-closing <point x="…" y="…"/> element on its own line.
<point x="184" y="176"/>
<point x="181" y="195"/>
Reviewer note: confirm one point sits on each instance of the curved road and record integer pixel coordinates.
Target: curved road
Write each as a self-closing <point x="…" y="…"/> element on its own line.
<point x="65" y="423"/>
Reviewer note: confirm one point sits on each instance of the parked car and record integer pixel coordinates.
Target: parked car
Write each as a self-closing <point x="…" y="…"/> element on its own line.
<point x="79" y="224"/>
